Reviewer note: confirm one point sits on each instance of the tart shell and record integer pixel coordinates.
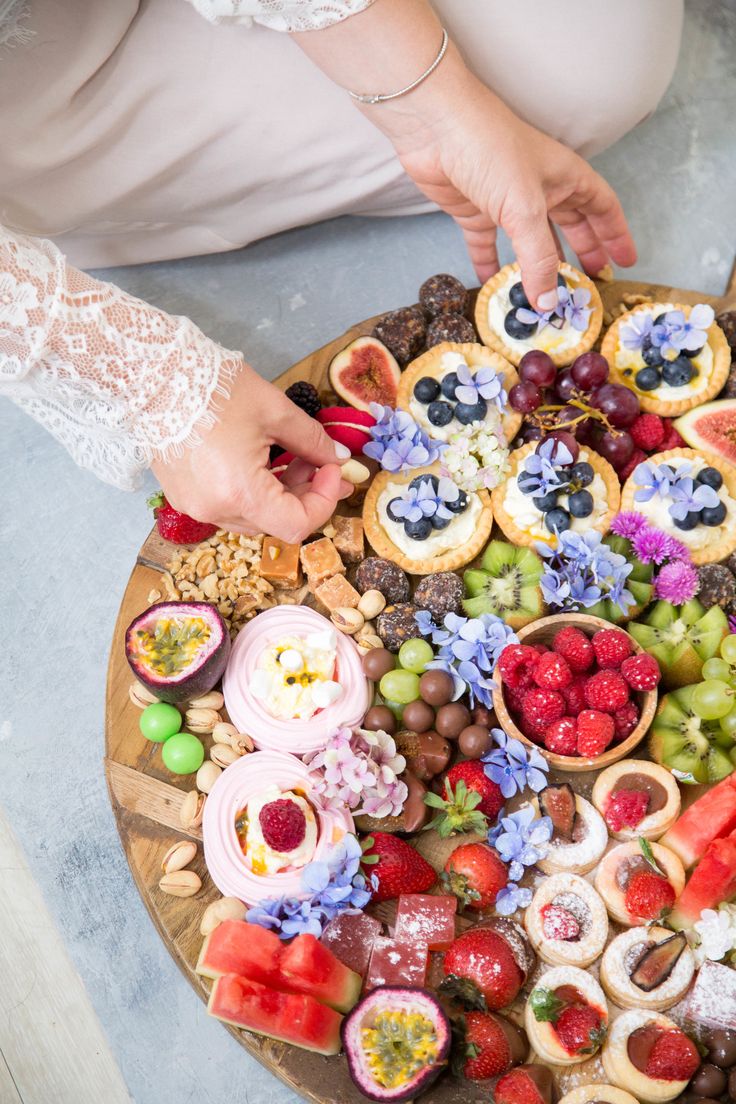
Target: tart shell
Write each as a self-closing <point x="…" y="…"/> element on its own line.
<point x="577" y="858"/>
<point x="608" y="1094"/>
<point x="653" y="825"/>
<point x="607" y="884"/>
<point x="725" y="544"/>
<point x="446" y="561"/>
<point x="618" y="985"/>
<point x="541" y="1033"/>
<point x="648" y="401"/>
<point x="621" y="1070"/>
<point x="558" y="952"/>
<point x="567" y="356"/>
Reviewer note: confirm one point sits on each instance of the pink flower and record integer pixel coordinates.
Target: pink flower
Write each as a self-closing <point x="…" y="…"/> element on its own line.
<point x="676" y="582"/>
<point x="650" y="545"/>
<point x="628" y="524"/>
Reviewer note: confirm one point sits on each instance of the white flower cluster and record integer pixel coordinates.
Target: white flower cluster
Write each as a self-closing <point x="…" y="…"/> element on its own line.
<point x="360" y="768"/>
<point x="476" y="455"/>
<point x="717" y="931"/>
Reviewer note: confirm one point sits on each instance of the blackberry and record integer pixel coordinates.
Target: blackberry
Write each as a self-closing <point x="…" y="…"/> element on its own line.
<point x="305" y="396"/>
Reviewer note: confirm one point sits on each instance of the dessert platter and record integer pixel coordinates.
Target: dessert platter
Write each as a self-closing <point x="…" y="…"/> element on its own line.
<point x="440" y="803"/>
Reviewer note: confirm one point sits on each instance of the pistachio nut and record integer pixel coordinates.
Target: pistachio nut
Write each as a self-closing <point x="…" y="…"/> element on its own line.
<point x="208" y="774"/>
<point x="178" y="856"/>
<point x="224" y="732"/>
<point x="226" y="908"/>
<point x="371" y="604"/>
<point x="368" y="640"/>
<point x="223" y="755"/>
<point x="354" y="472"/>
<point x="213" y="700"/>
<point x="201" y="720"/>
<point x="181" y="883"/>
<point x="347" y="620"/>
<point x="192" y="808"/>
<point x="141" y="695"/>
<point x="243" y="744"/>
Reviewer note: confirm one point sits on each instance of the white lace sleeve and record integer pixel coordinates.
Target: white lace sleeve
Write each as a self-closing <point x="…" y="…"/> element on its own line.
<point x="116" y="381"/>
<point x="280" y="15"/>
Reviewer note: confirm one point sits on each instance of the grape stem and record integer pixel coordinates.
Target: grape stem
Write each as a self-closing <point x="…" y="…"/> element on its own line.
<point x="541" y="414"/>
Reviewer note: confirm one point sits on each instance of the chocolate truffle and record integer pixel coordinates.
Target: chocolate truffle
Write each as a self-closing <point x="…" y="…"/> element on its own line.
<point x="443" y="294"/>
<point x="450" y="327"/>
<point x="440" y="593"/>
<point x="403" y="332"/>
<point x="397" y="624"/>
<point x="375" y="573"/>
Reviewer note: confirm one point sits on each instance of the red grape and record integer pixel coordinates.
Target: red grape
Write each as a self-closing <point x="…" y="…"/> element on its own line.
<point x="618" y="403"/>
<point x="567" y="439"/>
<point x="565" y="416"/>
<point x="525" y="397"/>
<point x="616" y="448"/>
<point x="565" y="385"/>
<point x="537" y="367"/>
<point x="530" y="432"/>
<point x="589" y="371"/>
<point x="586" y="431"/>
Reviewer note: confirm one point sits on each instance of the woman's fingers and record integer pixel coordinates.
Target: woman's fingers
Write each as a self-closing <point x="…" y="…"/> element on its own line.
<point x="295" y="431"/>
<point x="479" y="232"/>
<point x="290" y="513"/>
<point x="536" y="250"/>
<point x="602" y="209"/>
<point x="579" y="233"/>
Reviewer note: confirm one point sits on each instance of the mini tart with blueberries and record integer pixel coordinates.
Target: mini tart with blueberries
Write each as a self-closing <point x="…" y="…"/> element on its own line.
<point x="428" y="390"/>
<point x="507" y="323"/>
<point x="639" y="881"/>
<point x="647" y="967"/>
<point x="586" y="494"/>
<point x="598" y="1094"/>
<point x="424" y="522"/>
<point x="566" y="1016"/>
<point x="631" y="1056"/>
<point x="567" y="922"/>
<point x="673" y="356"/>
<point x="637" y="799"/>
<point x="705" y="523"/>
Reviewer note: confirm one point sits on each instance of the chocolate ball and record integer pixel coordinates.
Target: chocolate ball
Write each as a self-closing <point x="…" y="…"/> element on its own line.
<point x="474" y="741"/>
<point x="450" y="327"/>
<point x="380" y="717"/>
<point x="440" y="593"/>
<point x="709" y="1081"/>
<point x="722" y="1047"/>
<point x="442" y="293"/>
<point x="482" y="715"/>
<point x="451" y="719"/>
<point x="396" y="624"/>
<point x="377" y="663"/>
<point x="732" y="1085"/>
<point x="436" y="687"/>
<point x="418" y="716"/>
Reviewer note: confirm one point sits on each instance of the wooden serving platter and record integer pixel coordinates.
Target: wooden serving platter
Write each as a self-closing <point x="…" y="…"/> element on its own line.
<point x="146" y="798"/>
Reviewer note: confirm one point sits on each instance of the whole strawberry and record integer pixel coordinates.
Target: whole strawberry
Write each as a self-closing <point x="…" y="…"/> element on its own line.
<point x="531" y="1084"/>
<point x="396" y="866"/>
<point x="177" y="527"/>
<point x="471" y="800"/>
<point x="673" y="1057"/>
<point x="580" y="1029"/>
<point x="483" y="1048"/>
<point x="485" y="959"/>
<point x="475" y="874"/>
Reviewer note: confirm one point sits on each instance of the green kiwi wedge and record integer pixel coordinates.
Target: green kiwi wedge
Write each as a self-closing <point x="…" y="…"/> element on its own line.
<point x="639" y="583"/>
<point x="507" y="584"/>
<point x="681" y="638"/>
<point x="689" y="746"/>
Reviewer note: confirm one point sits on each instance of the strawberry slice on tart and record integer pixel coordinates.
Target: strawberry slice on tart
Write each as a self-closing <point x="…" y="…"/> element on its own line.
<point x="567" y="922"/>
<point x="639" y="881"/>
<point x="637" y="798"/>
<point x="650" y="1056"/>
<point x="566" y="1016"/>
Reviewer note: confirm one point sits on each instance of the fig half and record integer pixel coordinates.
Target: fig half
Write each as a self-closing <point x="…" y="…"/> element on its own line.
<point x="365" y="372"/>
<point x="179" y="650"/>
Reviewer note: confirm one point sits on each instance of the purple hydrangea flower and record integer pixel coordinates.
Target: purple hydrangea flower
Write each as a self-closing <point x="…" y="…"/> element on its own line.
<point x="677" y="333"/>
<point x="687" y="498"/>
<point x="531" y="317"/>
<point x="468" y="649"/>
<point x="676" y="582"/>
<point x="581" y="570"/>
<point x="543" y="466"/>
<point x="628" y="523"/>
<point x="521" y="839"/>
<point x="511" y="898"/>
<point x="634" y="330"/>
<point x="513" y="767"/>
<point x="399" y="443"/>
<point x="573" y="305"/>
<point x="486" y="384"/>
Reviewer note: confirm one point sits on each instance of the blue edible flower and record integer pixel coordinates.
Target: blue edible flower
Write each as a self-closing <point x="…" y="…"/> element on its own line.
<point x="513" y="767"/>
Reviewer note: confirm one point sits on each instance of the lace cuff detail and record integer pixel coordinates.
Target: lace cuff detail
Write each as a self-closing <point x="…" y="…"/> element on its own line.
<point x="116" y="381"/>
<point x="280" y="15"/>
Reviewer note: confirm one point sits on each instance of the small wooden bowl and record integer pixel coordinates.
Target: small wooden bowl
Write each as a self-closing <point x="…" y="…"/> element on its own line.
<point x="543" y="632"/>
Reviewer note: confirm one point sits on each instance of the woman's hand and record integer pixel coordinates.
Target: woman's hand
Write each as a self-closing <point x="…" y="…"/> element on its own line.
<point x="225" y="479"/>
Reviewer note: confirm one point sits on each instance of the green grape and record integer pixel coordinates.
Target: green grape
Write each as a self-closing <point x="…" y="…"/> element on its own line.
<point x="728" y="724"/>
<point x="728" y="648"/>
<point x="712" y="699"/>
<point x="400" y="686"/>
<point x="159" y="721"/>
<point x="415" y="654"/>
<point x="717" y="669"/>
<point x="396" y="709"/>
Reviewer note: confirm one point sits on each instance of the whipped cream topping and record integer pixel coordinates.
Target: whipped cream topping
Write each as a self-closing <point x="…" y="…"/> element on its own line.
<point x="259" y="855"/>
<point x="453" y="536"/>
<point x="657" y="513"/>
<point x="550" y="339"/>
<point x="526" y="516"/>
<point x="294" y="677"/>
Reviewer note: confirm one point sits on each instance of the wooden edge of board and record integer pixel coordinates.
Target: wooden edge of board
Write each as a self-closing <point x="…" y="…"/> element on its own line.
<point x="145" y="796"/>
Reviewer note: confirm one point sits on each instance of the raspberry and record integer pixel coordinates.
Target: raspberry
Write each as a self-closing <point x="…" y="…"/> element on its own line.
<point x="552" y="672"/>
<point x="673" y="1057"/>
<point x="574" y="695"/>
<point x="579" y="1029"/>
<point x="672" y="438"/>
<point x="514" y="697"/>
<point x="516" y="665"/>
<point x="561" y="737"/>
<point x="611" y="647"/>
<point x="283" y="824"/>
<point x="626" y="809"/>
<point x="637" y="457"/>
<point x="558" y="923"/>
<point x="607" y="691"/>
<point x="648" y="432"/>
<point x="641" y="672"/>
<point x="595" y="732"/>
<point x="541" y="648"/>
<point x="625" y="721"/>
<point x="542" y="707"/>
<point x="648" y="895"/>
<point x="574" y="646"/>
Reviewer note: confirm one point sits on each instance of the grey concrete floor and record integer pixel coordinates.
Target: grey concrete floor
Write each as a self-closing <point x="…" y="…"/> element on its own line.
<point x="69" y="541"/>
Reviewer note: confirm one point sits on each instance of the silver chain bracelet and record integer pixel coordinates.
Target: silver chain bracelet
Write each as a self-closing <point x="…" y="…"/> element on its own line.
<point x="381" y="97"/>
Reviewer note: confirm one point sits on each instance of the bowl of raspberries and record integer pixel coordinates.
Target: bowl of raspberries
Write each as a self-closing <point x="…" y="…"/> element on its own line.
<point x="578" y="688"/>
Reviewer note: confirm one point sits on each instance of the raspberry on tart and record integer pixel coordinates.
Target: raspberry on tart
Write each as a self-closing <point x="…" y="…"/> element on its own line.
<point x="580" y="849"/>
<point x="566" y="922"/>
<point x="639" y="881"/>
<point x="637" y="798"/>
<point x="566" y="1016"/>
<point x="647" y="967"/>
<point x="648" y="1055"/>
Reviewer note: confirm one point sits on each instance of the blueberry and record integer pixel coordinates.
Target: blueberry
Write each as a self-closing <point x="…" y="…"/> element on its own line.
<point x="523" y="478"/>
<point x="582" y="474"/>
<point x="426" y="390"/>
<point x="439" y="413"/>
<point x="651" y="354"/>
<point x="460" y="503"/>
<point x="467" y="412"/>
<point x="546" y="502"/>
<point x="440" y="522"/>
<point x="710" y="477"/>
<point x="580" y="504"/>
<point x="647" y="379"/>
<point x="449" y="384"/>
<point x="557" y="520"/>
<point x="516" y="329"/>
<point x="688" y="522"/>
<point x="418" y="530"/>
<point x="678" y="372"/>
<point x="691" y="353"/>
<point x="426" y="478"/>
<point x="517" y="297"/>
<point x="713" y="515"/>
<point x="659" y="320"/>
<point x="390" y="512"/>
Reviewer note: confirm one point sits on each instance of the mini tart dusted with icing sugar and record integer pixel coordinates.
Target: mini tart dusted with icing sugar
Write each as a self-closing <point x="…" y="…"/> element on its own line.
<point x="425" y="523"/>
<point x="567" y="922"/>
<point x="705" y="523"/>
<point x="633" y="888"/>
<point x="629" y="1046"/>
<point x="598" y="1094"/>
<point x="637" y="798"/>
<point x="589" y="486"/>
<point x="565" y="333"/>
<point x="566" y="1016"/>
<point x="645" y="351"/>
<point x="647" y="968"/>
<point x="578" y="850"/>
<point x="427" y="390"/>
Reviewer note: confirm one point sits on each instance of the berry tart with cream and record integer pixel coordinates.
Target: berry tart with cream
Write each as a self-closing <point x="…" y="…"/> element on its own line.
<point x="566" y="1016"/>
<point x="639" y="881"/>
<point x="648" y="968"/>
<point x="648" y="1055"/>
<point x="637" y="798"/>
<point x="566" y="922"/>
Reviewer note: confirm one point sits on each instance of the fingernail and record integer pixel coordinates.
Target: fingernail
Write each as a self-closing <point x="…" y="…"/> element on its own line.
<point x="547" y="300"/>
<point x="342" y="452"/>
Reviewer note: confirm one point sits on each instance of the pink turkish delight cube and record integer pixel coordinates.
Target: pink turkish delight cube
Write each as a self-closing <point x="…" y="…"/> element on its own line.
<point x="350" y="937"/>
<point x="427" y="917"/>
<point x="712" y="999"/>
<point x="395" y="963"/>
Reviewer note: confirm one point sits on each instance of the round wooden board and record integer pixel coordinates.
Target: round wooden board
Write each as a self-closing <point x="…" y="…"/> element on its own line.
<point x="146" y="798"/>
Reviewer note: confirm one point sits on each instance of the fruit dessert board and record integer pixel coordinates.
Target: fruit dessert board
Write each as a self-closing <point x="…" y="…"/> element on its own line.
<point x="441" y="802"/>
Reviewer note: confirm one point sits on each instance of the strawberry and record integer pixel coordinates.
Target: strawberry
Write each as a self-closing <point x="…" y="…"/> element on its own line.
<point x="558" y="923"/>
<point x="177" y="527"/>
<point x="524" y="1085"/>
<point x="626" y="809"/>
<point x="580" y="1029"/>
<point x="637" y="457"/>
<point x="648" y="895"/>
<point x="641" y="672"/>
<point x="606" y="691"/>
<point x="516" y="665"/>
<point x="673" y="1057"/>
<point x="575" y="647"/>
<point x="470" y="800"/>
<point x="552" y="672"/>
<point x="625" y="721"/>
<point x="484" y="1046"/>
<point x="611" y="647"/>
<point x="475" y="874"/>
<point x="484" y="958"/>
<point x="561" y="736"/>
<point x="595" y="731"/>
<point x="648" y="432"/>
<point x="539" y="708"/>
<point x="397" y="867"/>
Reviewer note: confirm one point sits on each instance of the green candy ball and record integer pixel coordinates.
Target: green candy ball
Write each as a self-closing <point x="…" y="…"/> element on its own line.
<point x="160" y="721"/>
<point x="183" y="753"/>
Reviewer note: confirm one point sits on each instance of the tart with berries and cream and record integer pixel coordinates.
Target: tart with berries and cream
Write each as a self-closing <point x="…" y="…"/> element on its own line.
<point x="579" y="834"/>
<point x="508" y="324"/>
<point x="567" y="922"/>
<point x="648" y="1055"/>
<point x="566" y="1016"/>
<point x="691" y="496"/>
<point x="637" y="798"/>
<point x="639" y="881"/>
<point x="598" y="1094"/>
<point x="647" y="968"/>
<point x="424" y="522"/>
<point x="548" y="491"/>
<point x="674" y="357"/>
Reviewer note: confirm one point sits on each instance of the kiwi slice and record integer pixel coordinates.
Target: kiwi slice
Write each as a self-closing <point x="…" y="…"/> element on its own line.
<point x="681" y="638"/>
<point x="639" y="583"/>
<point x="507" y="584"/>
<point x="685" y="743"/>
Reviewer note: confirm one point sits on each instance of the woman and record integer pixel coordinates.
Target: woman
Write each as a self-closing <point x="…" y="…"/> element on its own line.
<point x="168" y="135"/>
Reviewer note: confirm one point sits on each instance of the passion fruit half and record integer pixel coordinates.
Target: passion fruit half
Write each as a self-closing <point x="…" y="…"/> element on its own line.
<point x="179" y="650"/>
